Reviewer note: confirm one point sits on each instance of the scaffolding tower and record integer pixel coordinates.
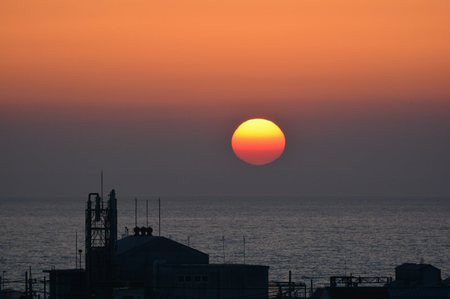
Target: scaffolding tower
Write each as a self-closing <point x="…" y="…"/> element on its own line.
<point x="100" y="245"/>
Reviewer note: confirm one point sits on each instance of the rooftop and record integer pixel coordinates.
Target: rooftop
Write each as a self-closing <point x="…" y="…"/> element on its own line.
<point x="414" y="267"/>
<point x="133" y="242"/>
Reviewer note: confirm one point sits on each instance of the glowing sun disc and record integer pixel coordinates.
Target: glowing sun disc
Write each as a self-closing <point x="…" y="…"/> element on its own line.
<point x="258" y="141"/>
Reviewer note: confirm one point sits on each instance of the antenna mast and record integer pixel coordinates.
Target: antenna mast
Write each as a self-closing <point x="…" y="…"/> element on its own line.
<point x="101" y="183"/>
<point x="135" y="212"/>
<point x="146" y="211"/>
<point x="223" y="248"/>
<point x="159" y="216"/>
<point x="243" y="239"/>
<point x="76" y="249"/>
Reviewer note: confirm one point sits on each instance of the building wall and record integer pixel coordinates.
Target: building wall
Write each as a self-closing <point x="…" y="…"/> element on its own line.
<point x="67" y="284"/>
<point x="135" y="267"/>
<point x="416" y="275"/>
<point x="212" y="281"/>
<point x="420" y="293"/>
<point x="129" y="294"/>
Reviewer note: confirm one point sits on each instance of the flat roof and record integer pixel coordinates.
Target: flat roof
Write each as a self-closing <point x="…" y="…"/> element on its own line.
<point x="64" y="270"/>
<point x="216" y="265"/>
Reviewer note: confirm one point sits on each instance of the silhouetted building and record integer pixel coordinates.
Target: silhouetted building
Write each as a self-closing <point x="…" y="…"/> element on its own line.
<point x="68" y="284"/>
<point x="129" y="293"/>
<point x="418" y="281"/>
<point x="446" y="282"/>
<point x="417" y="275"/>
<point x="355" y="293"/>
<point x="11" y="294"/>
<point x="144" y="266"/>
<point x="224" y="281"/>
<point x="358" y="287"/>
<point x="137" y="256"/>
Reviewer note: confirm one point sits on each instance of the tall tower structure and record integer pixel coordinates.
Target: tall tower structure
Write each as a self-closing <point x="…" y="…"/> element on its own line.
<point x="101" y="238"/>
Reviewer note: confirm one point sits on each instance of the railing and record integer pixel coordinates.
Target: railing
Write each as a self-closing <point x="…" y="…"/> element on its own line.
<point x="283" y="289"/>
<point x="354" y="281"/>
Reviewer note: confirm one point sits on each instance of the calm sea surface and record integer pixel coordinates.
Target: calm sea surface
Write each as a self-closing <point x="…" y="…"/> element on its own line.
<point x="313" y="237"/>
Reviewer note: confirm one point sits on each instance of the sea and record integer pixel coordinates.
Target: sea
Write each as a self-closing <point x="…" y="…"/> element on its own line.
<point x="313" y="237"/>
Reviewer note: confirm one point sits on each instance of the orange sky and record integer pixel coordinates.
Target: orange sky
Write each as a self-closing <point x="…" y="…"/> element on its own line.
<point x="200" y="51"/>
<point x="151" y="91"/>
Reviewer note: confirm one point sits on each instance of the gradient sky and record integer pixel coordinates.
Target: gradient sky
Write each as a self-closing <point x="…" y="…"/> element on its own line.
<point x="151" y="91"/>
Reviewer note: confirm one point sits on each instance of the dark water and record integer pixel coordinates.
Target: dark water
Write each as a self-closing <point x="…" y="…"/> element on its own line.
<point x="315" y="237"/>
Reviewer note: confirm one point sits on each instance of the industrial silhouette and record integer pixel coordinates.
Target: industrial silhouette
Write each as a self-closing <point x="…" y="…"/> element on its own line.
<point x="144" y="266"/>
<point x="147" y="266"/>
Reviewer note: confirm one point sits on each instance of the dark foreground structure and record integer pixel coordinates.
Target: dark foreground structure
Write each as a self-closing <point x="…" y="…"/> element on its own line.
<point x="143" y="266"/>
<point x="412" y="281"/>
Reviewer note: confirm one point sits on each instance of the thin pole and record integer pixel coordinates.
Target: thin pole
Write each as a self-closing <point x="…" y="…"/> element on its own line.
<point x="243" y="238"/>
<point x="223" y="248"/>
<point x="159" y="216"/>
<point x="26" y="283"/>
<point x="345" y="267"/>
<point x="101" y="183"/>
<point x="45" y="287"/>
<point x="290" y="283"/>
<point x="76" y="249"/>
<point x="30" y="284"/>
<point x="135" y="212"/>
<point x="146" y="211"/>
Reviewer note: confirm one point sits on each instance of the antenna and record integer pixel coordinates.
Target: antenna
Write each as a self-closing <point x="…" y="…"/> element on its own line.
<point x="30" y="283"/>
<point x="345" y="266"/>
<point x="135" y="212"/>
<point x="80" y="252"/>
<point x="146" y="211"/>
<point x="223" y="248"/>
<point x="76" y="249"/>
<point x="159" y="216"/>
<point x="101" y="183"/>
<point x="243" y="239"/>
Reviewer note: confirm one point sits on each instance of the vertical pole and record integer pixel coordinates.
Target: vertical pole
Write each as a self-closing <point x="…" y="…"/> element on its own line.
<point x="189" y="240"/>
<point x="290" y="283"/>
<point x="146" y="211"/>
<point x="101" y="183"/>
<point x="1" y="283"/>
<point x="80" y="251"/>
<point x="243" y="239"/>
<point x="159" y="216"/>
<point x="30" y="284"/>
<point x="26" y="284"/>
<point x="223" y="248"/>
<point x="135" y="212"/>
<point x="45" y="287"/>
<point x="76" y="249"/>
<point x="311" y="290"/>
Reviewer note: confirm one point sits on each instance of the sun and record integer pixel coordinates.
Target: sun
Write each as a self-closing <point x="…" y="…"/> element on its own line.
<point x="258" y="141"/>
